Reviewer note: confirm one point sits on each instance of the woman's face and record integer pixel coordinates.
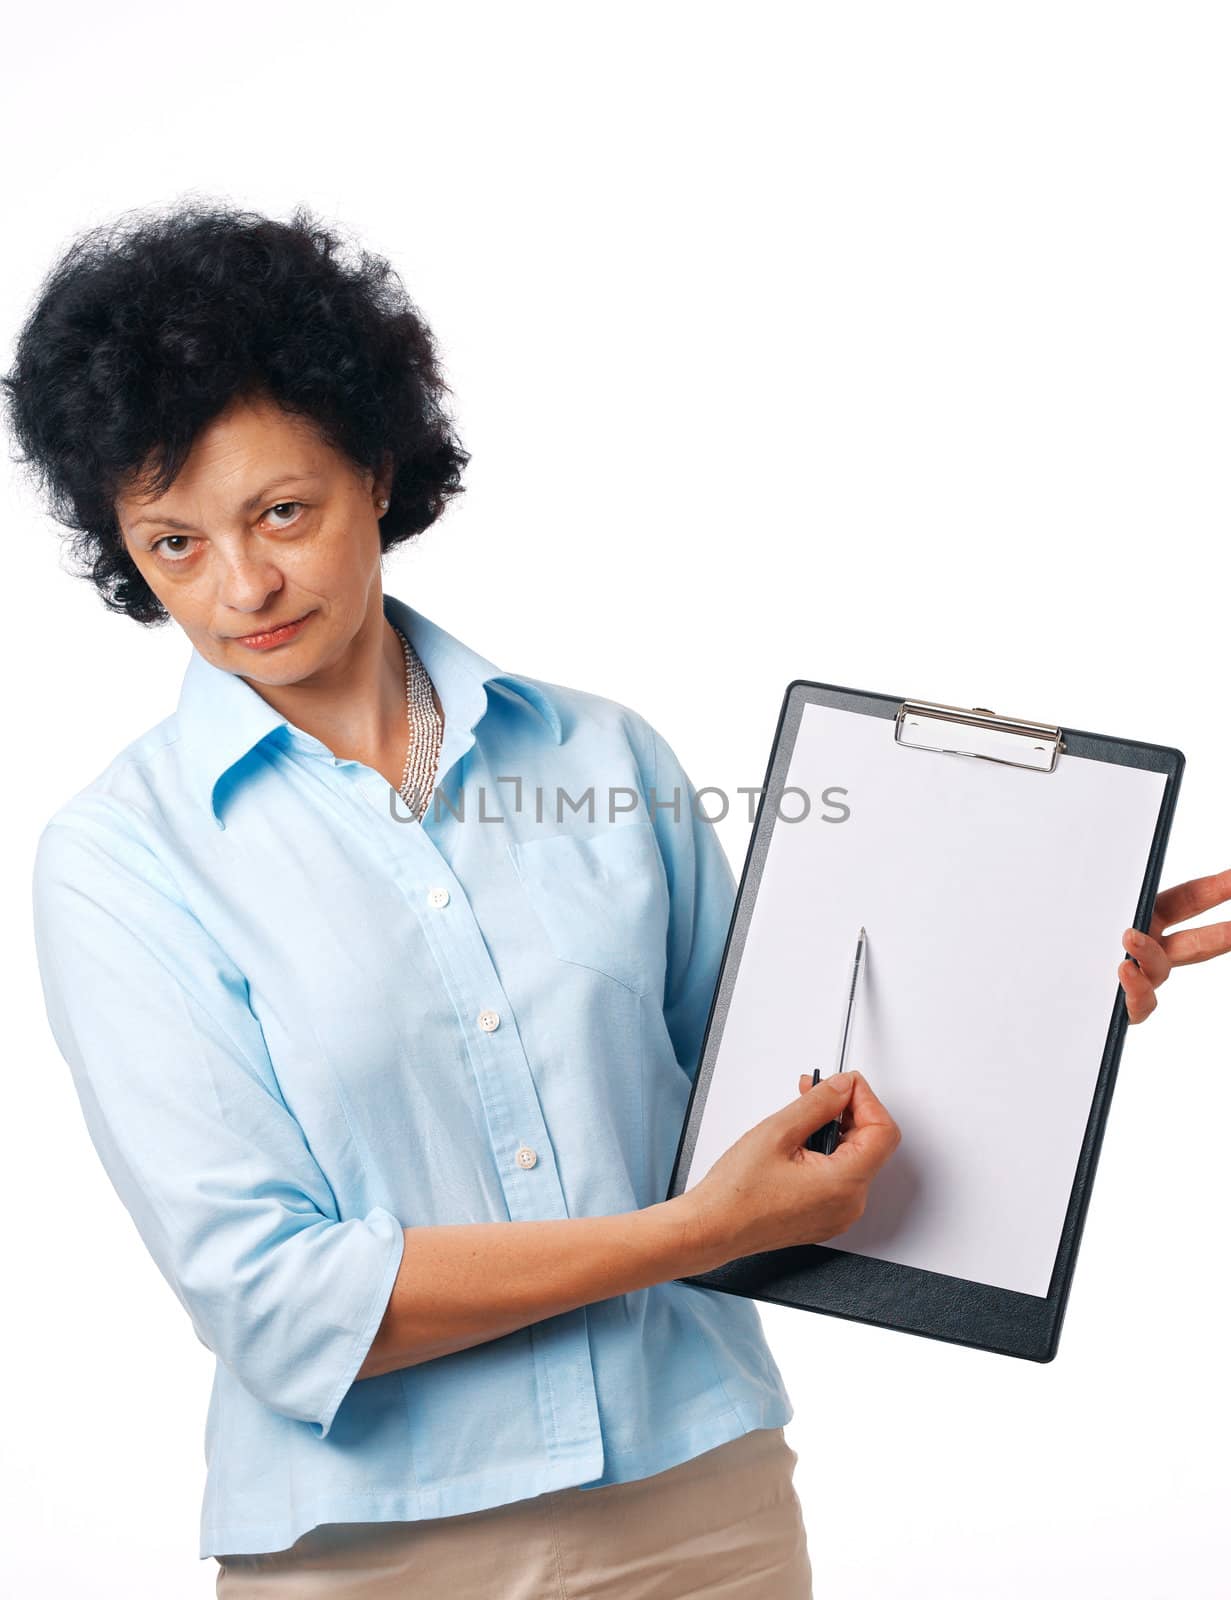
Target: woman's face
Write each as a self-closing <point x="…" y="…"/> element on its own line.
<point x="265" y="524"/>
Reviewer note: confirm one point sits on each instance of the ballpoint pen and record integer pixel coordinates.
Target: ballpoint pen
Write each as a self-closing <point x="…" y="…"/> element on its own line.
<point x="825" y="1140"/>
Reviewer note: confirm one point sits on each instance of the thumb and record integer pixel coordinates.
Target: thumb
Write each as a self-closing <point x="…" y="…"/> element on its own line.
<point x="821" y="1103"/>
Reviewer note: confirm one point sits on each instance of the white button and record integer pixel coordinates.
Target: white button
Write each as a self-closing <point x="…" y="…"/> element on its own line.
<point x="438" y="897"/>
<point x="489" y="1021"/>
<point x="526" y="1157"/>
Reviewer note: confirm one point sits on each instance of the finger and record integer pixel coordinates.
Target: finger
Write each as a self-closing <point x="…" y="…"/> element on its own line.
<point x="824" y="1102"/>
<point x="1184" y="900"/>
<point x="1198" y="944"/>
<point x="864" y="1150"/>
<point x="865" y="1107"/>
<point x="1153" y="960"/>
<point x="873" y="1135"/>
<point x="1139" y="996"/>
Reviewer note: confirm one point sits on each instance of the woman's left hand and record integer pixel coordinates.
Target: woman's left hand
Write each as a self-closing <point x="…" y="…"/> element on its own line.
<point x="1157" y="954"/>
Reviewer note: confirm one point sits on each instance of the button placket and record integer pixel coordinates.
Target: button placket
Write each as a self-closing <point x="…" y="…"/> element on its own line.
<point x="503" y="1076"/>
<point x="513" y="1113"/>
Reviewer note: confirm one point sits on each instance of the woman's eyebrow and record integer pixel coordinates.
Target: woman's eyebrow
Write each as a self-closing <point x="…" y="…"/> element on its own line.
<point x="250" y="504"/>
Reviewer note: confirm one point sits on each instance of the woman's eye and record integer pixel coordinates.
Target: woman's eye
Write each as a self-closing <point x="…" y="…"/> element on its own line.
<point x="172" y="556"/>
<point x="285" y="507"/>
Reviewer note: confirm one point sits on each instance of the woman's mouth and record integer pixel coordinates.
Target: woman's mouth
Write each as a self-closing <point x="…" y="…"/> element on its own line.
<point x="275" y="636"/>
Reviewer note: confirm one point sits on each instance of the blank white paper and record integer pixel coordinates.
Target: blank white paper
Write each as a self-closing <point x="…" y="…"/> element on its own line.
<point x="994" y="900"/>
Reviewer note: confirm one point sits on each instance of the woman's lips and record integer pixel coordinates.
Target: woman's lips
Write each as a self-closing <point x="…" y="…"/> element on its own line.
<point x="277" y="636"/>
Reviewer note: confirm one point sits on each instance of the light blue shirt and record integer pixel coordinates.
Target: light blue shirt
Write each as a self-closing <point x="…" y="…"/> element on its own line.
<point x="299" y="1021"/>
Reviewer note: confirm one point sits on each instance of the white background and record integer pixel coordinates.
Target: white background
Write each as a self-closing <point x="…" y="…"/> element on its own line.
<point x="887" y="345"/>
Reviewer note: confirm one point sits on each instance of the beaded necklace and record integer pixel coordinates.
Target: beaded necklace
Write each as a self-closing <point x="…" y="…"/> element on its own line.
<point x="426" y="731"/>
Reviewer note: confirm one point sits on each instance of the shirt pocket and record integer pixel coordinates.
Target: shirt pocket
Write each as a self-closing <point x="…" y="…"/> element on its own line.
<point x="602" y="900"/>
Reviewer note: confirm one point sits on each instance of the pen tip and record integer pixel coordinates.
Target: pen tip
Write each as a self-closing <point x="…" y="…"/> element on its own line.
<point x="863" y="933"/>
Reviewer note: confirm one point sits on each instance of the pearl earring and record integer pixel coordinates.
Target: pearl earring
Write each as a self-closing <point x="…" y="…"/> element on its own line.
<point x="383" y="504"/>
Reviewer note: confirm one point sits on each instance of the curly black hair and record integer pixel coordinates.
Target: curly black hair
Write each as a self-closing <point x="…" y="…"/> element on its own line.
<point x="150" y="325"/>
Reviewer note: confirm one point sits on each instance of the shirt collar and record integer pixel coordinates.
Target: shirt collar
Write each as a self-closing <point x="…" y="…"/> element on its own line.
<point x="221" y="717"/>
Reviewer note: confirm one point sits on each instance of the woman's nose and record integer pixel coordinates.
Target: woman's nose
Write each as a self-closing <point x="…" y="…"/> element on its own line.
<point x="248" y="582"/>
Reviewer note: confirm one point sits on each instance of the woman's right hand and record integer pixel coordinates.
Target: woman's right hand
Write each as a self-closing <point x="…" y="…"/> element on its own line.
<point x="767" y="1192"/>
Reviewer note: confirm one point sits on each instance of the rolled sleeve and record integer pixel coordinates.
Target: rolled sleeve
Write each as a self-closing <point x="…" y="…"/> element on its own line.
<point x="702" y="890"/>
<point x="183" y="1107"/>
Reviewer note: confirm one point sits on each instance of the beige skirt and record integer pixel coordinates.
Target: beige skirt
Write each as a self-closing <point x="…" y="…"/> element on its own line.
<point x="726" y="1523"/>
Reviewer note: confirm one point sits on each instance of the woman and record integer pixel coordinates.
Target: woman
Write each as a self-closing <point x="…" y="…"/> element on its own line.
<point x="383" y="1044"/>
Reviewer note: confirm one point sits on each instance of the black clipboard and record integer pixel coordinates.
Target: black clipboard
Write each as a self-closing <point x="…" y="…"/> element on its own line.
<point x="865" y="1288"/>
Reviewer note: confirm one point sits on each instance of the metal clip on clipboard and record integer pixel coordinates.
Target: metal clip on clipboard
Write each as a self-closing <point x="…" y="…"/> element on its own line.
<point x="978" y="732"/>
